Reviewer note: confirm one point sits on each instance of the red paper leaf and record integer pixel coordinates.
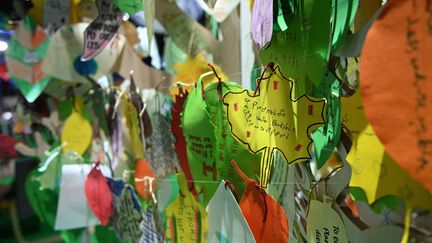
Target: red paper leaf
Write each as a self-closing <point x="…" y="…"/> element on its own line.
<point x="7" y="147"/>
<point x="180" y="142"/>
<point x="98" y="195"/>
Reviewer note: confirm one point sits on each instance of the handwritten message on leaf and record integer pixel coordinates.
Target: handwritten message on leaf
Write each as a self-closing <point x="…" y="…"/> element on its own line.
<point x="186" y="218"/>
<point x="160" y="149"/>
<point x="273" y="120"/>
<point x="396" y="93"/>
<point x="324" y="224"/>
<point x="100" y="32"/>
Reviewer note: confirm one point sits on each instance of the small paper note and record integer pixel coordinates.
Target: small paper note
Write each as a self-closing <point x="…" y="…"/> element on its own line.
<point x="101" y="31"/>
<point x="324" y="224"/>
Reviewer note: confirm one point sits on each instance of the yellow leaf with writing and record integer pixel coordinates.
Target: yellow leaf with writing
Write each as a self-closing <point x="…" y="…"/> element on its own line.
<point x="323" y="224"/>
<point x="271" y="119"/>
<point x="186" y="218"/>
<point x="77" y="133"/>
<point x="373" y="169"/>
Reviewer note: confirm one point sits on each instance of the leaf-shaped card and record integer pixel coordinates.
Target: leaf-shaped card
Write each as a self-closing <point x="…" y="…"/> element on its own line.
<point x="186" y="218"/>
<point x="127" y="215"/>
<point x="150" y="233"/>
<point x="266" y="218"/>
<point x="98" y="194"/>
<point x="227" y="147"/>
<point x="24" y="57"/>
<point x="77" y="132"/>
<point x="303" y="48"/>
<point x="100" y="32"/>
<point x="324" y="224"/>
<point x="262" y="22"/>
<point x="225" y="219"/>
<point x="271" y="119"/>
<point x="160" y="150"/>
<point x="396" y="94"/>
<point x="180" y="141"/>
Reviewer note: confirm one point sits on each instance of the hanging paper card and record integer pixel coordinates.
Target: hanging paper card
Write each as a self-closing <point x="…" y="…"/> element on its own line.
<point x="200" y="141"/>
<point x="72" y="210"/>
<point x="186" y="218"/>
<point x="225" y="219"/>
<point x="401" y="34"/>
<point x="302" y="49"/>
<point x="372" y="167"/>
<point x="187" y="34"/>
<point x="133" y="124"/>
<point x="56" y="13"/>
<point x="262" y="22"/>
<point x="144" y="179"/>
<point x="150" y="233"/>
<point x="220" y="9"/>
<point x="66" y="45"/>
<point x="324" y="224"/>
<point x="77" y="132"/>
<point x="127" y="215"/>
<point x="129" y="6"/>
<point x="100" y="32"/>
<point x="266" y="218"/>
<point x="98" y="194"/>
<point x="227" y="147"/>
<point x="24" y="56"/>
<point x="326" y="137"/>
<point x="160" y="151"/>
<point x="270" y="119"/>
<point x="180" y="142"/>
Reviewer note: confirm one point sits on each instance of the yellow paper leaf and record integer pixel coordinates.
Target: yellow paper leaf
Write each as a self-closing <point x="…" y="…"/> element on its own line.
<point x="77" y="132"/>
<point x="186" y="218"/>
<point x="373" y="169"/>
<point x="273" y="120"/>
<point x="190" y="71"/>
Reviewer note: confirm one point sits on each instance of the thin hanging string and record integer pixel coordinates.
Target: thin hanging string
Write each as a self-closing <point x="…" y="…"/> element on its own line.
<point x="271" y="66"/>
<point x="219" y="87"/>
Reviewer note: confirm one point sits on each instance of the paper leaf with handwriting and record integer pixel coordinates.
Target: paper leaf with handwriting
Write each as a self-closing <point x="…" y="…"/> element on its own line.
<point x="186" y="218"/>
<point x="324" y="224"/>
<point x="127" y="215"/>
<point x="273" y="120"/>
<point x="396" y="93"/>
<point x="302" y="49"/>
<point x="160" y="151"/>
<point x="24" y="57"/>
<point x="100" y="32"/>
